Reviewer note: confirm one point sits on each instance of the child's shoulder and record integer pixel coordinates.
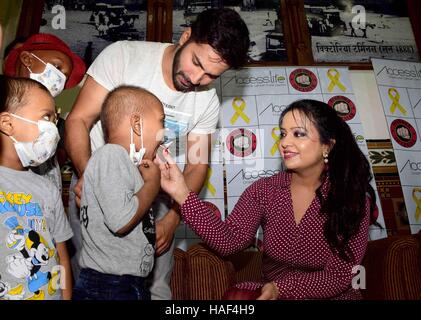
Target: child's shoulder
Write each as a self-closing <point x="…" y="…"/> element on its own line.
<point x="43" y="183"/>
<point x="113" y="162"/>
<point x="28" y="179"/>
<point x="110" y="151"/>
<point x="109" y="155"/>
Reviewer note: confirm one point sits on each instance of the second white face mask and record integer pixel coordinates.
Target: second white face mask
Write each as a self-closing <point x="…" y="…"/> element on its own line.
<point x="52" y="78"/>
<point x="136" y="156"/>
<point x="36" y="152"/>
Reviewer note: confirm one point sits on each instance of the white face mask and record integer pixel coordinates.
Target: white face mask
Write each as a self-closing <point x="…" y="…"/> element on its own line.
<point x="36" y="152"/>
<point x="136" y="156"/>
<point x="52" y="78"/>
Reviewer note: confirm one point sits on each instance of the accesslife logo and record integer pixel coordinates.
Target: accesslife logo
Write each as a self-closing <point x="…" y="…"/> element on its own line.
<point x="268" y="78"/>
<point x="275" y="109"/>
<point x="413" y="166"/>
<point x="411" y="72"/>
<point x="248" y="176"/>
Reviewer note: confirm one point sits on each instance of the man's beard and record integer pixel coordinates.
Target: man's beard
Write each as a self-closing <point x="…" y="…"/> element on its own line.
<point x="178" y="85"/>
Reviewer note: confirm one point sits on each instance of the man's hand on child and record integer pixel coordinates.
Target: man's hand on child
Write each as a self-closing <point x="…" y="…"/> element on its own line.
<point x="165" y="229"/>
<point x="78" y="191"/>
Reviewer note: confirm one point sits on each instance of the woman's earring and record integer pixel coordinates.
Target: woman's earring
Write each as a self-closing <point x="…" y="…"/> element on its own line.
<point x="325" y="158"/>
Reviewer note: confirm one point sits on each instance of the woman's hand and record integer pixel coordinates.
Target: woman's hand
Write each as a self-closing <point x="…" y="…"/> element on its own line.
<point x="172" y="179"/>
<point x="78" y="191"/>
<point x="269" y="292"/>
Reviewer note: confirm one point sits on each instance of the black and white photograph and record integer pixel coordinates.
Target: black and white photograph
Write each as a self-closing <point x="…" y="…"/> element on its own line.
<point x="90" y="25"/>
<point x="357" y="30"/>
<point x="263" y="18"/>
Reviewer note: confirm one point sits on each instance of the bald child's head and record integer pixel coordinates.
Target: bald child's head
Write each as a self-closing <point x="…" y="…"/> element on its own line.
<point x="128" y="107"/>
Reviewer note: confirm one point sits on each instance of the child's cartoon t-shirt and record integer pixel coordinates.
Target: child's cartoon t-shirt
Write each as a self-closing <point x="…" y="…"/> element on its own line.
<point x="32" y="220"/>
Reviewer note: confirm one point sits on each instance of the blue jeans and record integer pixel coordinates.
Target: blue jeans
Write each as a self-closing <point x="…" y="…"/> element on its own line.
<point x="94" y="285"/>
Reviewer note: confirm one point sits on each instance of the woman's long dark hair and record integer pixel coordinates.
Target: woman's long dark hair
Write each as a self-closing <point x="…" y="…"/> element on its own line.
<point x="348" y="173"/>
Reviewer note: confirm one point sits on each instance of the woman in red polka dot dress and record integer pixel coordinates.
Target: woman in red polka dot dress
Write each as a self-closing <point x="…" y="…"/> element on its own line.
<point x="315" y="216"/>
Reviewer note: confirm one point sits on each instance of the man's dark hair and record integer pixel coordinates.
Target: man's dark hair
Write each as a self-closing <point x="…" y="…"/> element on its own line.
<point x="225" y="32"/>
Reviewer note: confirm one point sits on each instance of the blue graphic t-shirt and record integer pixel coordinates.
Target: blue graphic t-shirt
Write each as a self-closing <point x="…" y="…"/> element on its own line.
<point x="32" y="221"/>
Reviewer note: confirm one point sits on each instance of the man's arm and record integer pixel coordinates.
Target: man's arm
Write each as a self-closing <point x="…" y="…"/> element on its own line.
<point x="198" y="155"/>
<point x="79" y="122"/>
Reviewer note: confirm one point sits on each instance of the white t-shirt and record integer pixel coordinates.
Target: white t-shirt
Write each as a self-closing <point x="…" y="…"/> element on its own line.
<point x="139" y="63"/>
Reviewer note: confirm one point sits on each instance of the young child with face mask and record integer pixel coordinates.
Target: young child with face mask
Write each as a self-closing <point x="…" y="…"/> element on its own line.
<point x="33" y="225"/>
<point x="48" y="60"/>
<point x="121" y="182"/>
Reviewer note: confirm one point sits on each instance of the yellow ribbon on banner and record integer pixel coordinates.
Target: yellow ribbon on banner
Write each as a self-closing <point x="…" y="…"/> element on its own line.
<point x="417" y="202"/>
<point x="208" y="184"/>
<point x="276" y="138"/>
<point x="239" y="110"/>
<point x="334" y="76"/>
<point x="395" y="101"/>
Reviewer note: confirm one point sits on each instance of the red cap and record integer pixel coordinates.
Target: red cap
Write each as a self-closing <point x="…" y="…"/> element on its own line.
<point x="44" y="41"/>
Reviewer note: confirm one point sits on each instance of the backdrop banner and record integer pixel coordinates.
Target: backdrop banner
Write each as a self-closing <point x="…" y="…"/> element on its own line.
<point x="399" y="84"/>
<point x="245" y="145"/>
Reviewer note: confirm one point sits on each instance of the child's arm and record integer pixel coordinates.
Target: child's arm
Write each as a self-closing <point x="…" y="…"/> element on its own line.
<point x="151" y="176"/>
<point x="65" y="263"/>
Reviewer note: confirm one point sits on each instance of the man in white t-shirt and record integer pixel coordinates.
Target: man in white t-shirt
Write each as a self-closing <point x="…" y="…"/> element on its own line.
<point x="178" y="75"/>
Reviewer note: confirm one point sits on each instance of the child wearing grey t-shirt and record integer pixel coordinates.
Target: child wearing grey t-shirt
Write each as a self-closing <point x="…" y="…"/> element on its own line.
<point x="120" y="183"/>
<point x="34" y="263"/>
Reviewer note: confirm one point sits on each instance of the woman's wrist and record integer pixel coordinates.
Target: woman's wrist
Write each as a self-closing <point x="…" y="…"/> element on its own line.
<point x="182" y="194"/>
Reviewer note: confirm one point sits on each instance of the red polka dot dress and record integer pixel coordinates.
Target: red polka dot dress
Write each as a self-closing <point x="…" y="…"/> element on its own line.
<point x="297" y="257"/>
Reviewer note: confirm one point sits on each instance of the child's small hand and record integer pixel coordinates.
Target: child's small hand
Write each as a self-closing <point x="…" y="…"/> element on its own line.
<point x="150" y="172"/>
